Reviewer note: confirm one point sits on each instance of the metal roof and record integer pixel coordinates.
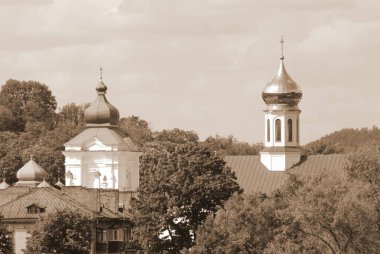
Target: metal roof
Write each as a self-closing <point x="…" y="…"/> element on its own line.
<point x="101" y="111"/>
<point x="52" y="200"/>
<point x="255" y="177"/>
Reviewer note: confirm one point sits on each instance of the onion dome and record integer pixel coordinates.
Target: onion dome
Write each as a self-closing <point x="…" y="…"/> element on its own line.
<point x="31" y="171"/>
<point x="101" y="112"/>
<point x="282" y="90"/>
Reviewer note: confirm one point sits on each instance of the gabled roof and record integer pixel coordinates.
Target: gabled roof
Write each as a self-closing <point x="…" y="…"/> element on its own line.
<point x="255" y="177"/>
<point x="108" y="137"/>
<point x="53" y="200"/>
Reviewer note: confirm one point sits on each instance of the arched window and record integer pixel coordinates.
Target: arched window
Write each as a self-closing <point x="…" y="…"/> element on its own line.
<point x="278" y="130"/>
<point x="297" y="131"/>
<point x="290" y="130"/>
<point x="268" y="130"/>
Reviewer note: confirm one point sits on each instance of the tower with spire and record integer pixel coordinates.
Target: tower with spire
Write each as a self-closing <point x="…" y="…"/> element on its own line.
<point x="101" y="156"/>
<point x="281" y="142"/>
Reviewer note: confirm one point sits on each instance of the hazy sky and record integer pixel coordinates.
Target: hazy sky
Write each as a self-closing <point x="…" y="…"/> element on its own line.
<point x="201" y="64"/>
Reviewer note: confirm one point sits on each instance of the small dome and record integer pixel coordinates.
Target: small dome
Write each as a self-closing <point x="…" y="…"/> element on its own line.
<point x="4" y="185"/>
<point x="282" y="89"/>
<point x="43" y="184"/>
<point x="101" y="112"/>
<point x="59" y="183"/>
<point x="31" y="171"/>
<point x="68" y="174"/>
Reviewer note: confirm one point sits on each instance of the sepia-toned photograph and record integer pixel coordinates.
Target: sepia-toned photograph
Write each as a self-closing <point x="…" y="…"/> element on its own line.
<point x="189" y="127"/>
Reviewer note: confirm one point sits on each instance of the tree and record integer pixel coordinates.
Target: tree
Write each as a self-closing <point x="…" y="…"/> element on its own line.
<point x="176" y="136"/>
<point x="246" y="224"/>
<point x="325" y="213"/>
<point x="137" y="129"/>
<point x="7" y="120"/>
<point x="180" y="185"/>
<point x="6" y="240"/>
<point x="63" y="231"/>
<point x="321" y="213"/>
<point x="231" y="146"/>
<point x="72" y="114"/>
<point x="28" y="101"/>
<point x="364" y="165"/>
<point x="322" y="147"/>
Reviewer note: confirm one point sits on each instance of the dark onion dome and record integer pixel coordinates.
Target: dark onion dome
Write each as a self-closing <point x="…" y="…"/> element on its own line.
<point x="101" y="112"/>
<point x="282" y="89"/>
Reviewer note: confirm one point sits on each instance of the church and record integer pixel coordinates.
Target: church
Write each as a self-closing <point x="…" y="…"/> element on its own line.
<point x="102" y="169"/>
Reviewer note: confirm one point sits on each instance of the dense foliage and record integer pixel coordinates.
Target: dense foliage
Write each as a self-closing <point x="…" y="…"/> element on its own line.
<point x="6" y="240"/>
<point x="328" y="212"/>
<point x="27" y="101"/>
<point x="231" y="146"/>
<point x="64" y="231"/>
<point x="180" y="185"/>
<point x="347" y="140"/>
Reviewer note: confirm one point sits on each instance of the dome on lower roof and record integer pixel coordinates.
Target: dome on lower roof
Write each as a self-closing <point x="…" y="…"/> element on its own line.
<point x="31" y="171"/>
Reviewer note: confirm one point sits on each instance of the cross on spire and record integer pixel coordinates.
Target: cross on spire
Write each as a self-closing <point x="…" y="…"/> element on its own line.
<point x="101" y="73"/>
<point x="282" y="47"/>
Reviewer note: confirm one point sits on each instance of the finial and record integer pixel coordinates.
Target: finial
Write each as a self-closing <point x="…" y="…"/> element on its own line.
<point x="101" y="73"/>
<point x="282" y="47"/>
<point x="31" y="157"/>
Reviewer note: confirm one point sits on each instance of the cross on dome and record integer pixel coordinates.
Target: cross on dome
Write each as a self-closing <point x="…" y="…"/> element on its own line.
<point x="282" y="47"/>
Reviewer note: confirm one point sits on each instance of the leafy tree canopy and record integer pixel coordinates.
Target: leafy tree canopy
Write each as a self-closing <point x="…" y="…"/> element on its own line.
<point x="231" y="146"/>
<point x="6" y="240"/>
<point x="180" y="185"/>
<point x="176" y="136"/>
<point x="137" y="129"/>
<point x="245" y="225"/>
<point x="64" y="231"/>
<point x="347" y="140"/>
<point x="328" y="212"/>
<point x="28" y="101"/>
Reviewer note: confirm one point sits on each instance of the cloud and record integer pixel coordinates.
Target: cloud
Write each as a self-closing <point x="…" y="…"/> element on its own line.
<point x="199" y="64"/>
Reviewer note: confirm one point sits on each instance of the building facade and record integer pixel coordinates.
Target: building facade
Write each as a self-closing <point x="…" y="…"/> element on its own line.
<point x="101" y="175"/>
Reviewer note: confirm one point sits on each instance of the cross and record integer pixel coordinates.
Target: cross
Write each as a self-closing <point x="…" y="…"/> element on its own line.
<point x="101" y="73"/>
<point x="282" y="47"/>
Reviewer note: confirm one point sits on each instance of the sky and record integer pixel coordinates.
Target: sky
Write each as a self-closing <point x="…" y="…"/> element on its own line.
<point x="201" y="64"/>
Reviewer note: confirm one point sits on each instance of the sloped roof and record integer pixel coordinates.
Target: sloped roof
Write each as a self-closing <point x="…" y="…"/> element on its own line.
<point x="52" y="200"/>
<point x="255" y="177"/>
<point x="108" y="136"/>
<point x="11" y="193"/>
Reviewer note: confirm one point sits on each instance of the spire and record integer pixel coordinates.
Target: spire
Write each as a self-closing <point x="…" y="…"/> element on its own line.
<point x="282" y="48"/>
<point x="101" y="88"/>
<point x="101" y="112"/>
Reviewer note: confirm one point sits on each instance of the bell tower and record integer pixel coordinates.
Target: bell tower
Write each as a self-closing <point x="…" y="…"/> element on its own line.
<point x="281" y="142"/>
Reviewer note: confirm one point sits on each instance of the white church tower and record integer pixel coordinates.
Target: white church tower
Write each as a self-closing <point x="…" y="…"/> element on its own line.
<point x="281" y="142"/>
<point x="101" y="156"/>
